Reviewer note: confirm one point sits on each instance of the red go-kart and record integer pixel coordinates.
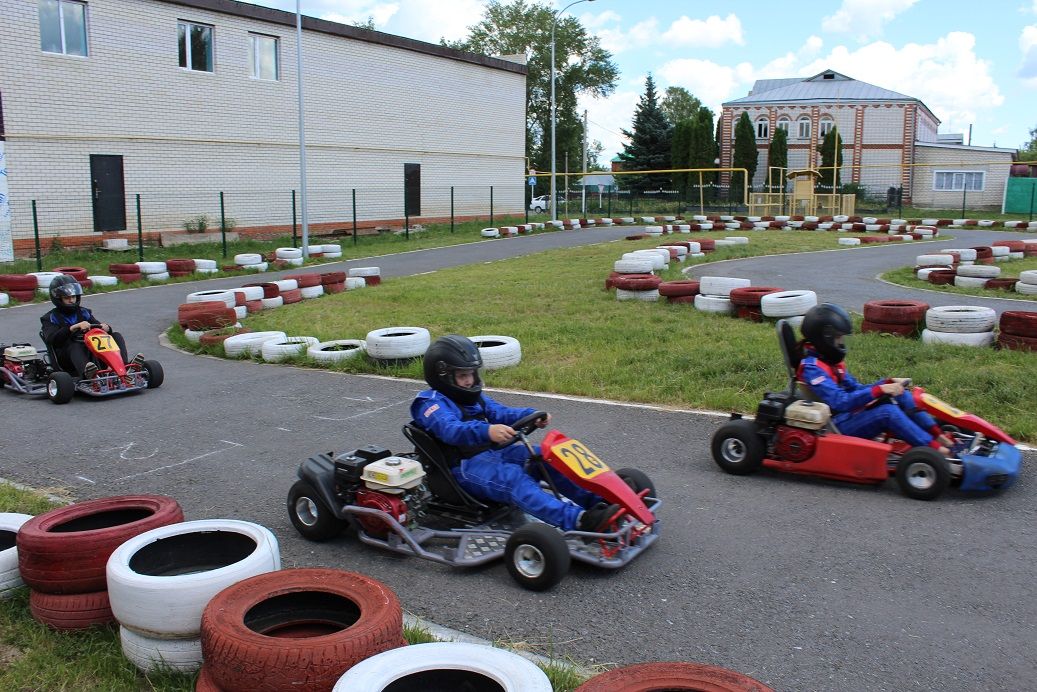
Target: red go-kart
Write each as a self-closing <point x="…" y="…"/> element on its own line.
<point x="794" y="434"/>
<point x="412" y="504"/>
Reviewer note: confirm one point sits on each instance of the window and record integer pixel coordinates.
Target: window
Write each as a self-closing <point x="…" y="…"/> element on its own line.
<point x="803" y="128"/>
<point x="763" y="128"/>
<point x="264" y="57"/>
<point x="195" y="46"/>
<point x="825" y="127"/>
<point x="957" y="181"/>
<point x="783" y="124"/>
<point x="63" y="27"/>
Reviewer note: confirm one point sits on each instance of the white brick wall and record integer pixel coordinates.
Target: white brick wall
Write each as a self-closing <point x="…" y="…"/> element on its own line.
<point x="994" y="165"/>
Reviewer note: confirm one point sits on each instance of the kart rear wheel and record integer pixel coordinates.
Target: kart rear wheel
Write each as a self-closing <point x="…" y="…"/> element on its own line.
<point x="922" y="473"/>
<point x="737" y="447"/>
<point x="537" y="556"/>
<point x="638" y="480"/>
<point x="310" y="516"/>
<point x="155" y="374"/>
<point x="60" y="387"/>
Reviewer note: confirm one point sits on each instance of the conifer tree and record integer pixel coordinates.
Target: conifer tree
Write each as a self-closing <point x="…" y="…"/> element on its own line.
<point x="649" y="145"/>
<point x="745" y="155"/>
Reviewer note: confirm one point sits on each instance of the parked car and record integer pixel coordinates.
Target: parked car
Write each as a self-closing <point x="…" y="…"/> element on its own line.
<point x="540" y="204"/>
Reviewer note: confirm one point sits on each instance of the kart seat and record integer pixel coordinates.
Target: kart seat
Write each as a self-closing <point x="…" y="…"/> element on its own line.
<point x="793" y="355"/>
<point x="54" y="360"/>
<point x="448" y="494"/>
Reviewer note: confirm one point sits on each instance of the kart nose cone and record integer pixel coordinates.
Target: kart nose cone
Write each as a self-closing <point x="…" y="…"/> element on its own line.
<point x="995" y="472"/>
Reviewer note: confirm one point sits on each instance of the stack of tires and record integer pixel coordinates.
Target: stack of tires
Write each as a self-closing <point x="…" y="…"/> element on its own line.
<point x="1017" y="330"/>
<point x="160" y="581"/>
<point x="248" y="343"/>
<point x="1030" y="247"/>
<point x="206" y="310"/>
<point x="746" y="301"/>
<point x="715" y="293"/>
<point x="397" y="345"/>
<point x="77" y="273"/>
<point x="252" y="261"/>
<point x="333" y="282"/>
<point x="288" y="291"/>
<point x="20" y="287"/>
<point x="975" y="275"/>
<point x="682" y="291"/>
<point x="635" y="266"/>
<point x="788" y="305"/>
<point x="271" y="294"/>
<point x="960" y="325"/>
<point x="10" y="578"/>
<point x="310" y="285"/>
<point x="925" y="265"/>
<point x="372" y="276"/>
<point x="180" y="267"/>
<point x="43" y="280"/>
<point x="250" y="298"/>
<point x="154" y="271"/>
<point x="984" y="254"/>
<point x="643" y="286"/>
<point x="1002" y="253"/>
<point x="289" y="255"/>
<point x="899" y="317"/>
<point x="318" y="250"/>
<point x="1016" y="248"/>
<point x="1027" y="283"/>
<point x="205" y="266"/>
<point x="62" y="554"/>
<point x="498" y="351"/>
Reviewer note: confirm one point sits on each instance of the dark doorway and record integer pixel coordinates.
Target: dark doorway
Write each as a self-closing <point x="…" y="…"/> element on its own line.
<point x="107" y="192"/>
<point x="412" y="189"/>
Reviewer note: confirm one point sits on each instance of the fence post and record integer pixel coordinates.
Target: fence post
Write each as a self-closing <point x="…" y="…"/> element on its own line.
<point x="491" y="205"/>
<point x="964" y="192"/>
<point x="140" y="232"/>
<point x="223" y="225"/>
<point x="406" y="221"/>
<point x="36" y="235"/>
<point x="354" y="216"/>
<point x="527" y="203"/>
<point x="295" y="223"/>
<point x="610" y="202"/>
<point x="451" y="208"/>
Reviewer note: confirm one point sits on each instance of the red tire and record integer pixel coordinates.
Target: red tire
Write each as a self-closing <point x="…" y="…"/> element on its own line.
<point x="681" y="288"/>
<point x="218" y="336"/>
<point x="123" y="269"/>
<point x="1012" y="342"/>
<point x="253" y="306"/>
<point x="908" y="312"/>
<point x="749" y="313"/>
<point x="984" y="252"/>
<point x="22" y="296"/>
<point x="333" y="278"/>
<point x="638" y="236"/>
<point x="180" y="273"/>
<point x="305" y="280"/>
<point x="1000" y="284"/>
<point x="335" y="287"/>
<point x="128" y="278"/>
<point x="1012" y="245"/>
<point x="707" y="245"/>
<point x="270" y="289"/>
<point x="77" y="273"/>
<point x="750" y="296"/>
<point x="293" y="295"/>
<point x="18" y="282"/>
<point x="246" y="628"/>
<point x="869" y="239"/>
<point x="1019" y="323"/>
<point x="672" y="677"/>
<point x="204" y="682"/>
<point x="180" y="265"/>
<point x="809" y="225"/>
<point x="637" y="282"/>
<point x="372" y="280"/>
<point x="889" y="328"/>
<point x="680" y="299"/>
<point x="942" y="276"/>
<point x="76" y="611"/>
<point x="610" y="280"/>
<point x="86" y="283"/>
<point x="64" y="551"/>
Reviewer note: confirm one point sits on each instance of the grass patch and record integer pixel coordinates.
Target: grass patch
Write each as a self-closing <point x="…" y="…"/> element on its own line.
<point x="578" y="339"/>
<point x="905" y="276"/>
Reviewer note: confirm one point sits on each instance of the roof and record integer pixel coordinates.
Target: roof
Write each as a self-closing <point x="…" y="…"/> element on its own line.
<point x="824" y="87"/>
<point x="967" y="147"/>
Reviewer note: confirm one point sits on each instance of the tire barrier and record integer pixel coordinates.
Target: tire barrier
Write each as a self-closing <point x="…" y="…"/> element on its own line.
<point x="901" y="317"/>
<point x="960" y="319"/>
<point x="672" y="677"/>
<point x="977" y="339"/>
<point x="103" y="280"/>
<point x="1017" y="330"/>
<point x="205" y="316"/>
<point x="498" y="351"/>
<point x="714" y="303"/>
<point x="73" y="611"/>
<point x="337" y="350"/>
<point x="637" y="282"/>
<point x="750" y="296"/>
<point x="677" y="289"/>
<point x="249" y="343"/>
<point x="980" y="271"/>
<point x="270" y="289"/>
<point x="292" y="295"/>
<point x="940" y="260"/>
<point x="10" y="577"/>
<point x="787" y="303"/>
<point x="490" y="233"/>
<point x="298" y="629"/>
<point x="305" y="280"/>
<point x="941" y="277"/>
<point x="372" y="276"/>
<point x="226" y="297"/>
<point x="720" y="285"/>
<point x="212" y="338"/>
<point x="633" y="266"/>
<point x="280" y="350"/>
<point x="151" y="654"/>
<point x="649" y="295"/>
<point x="246" y="258"/>
<point x="397" y="343"/>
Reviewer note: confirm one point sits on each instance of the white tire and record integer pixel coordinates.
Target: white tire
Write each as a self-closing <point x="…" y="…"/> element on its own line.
<point x="684" y="227"/>
<point x="681" y="250"/>
<point x="104" y="280"/>
<point x="985" y="222"/>
<point x="1000" y="250"/>
<point x="151" y="267"/>
<point x="391" y="343"/>
<point x="287" y="253"/>
<point x="355" y="282"/>
<point x="923" y="274"/>
<point x="965" y="254"/>
<point x="905" y="238"/>
<point x="161" y="276"/>
<point x="810" y="219"/>
<point x="498" y="351"/>
<point x="489" y="233"/>
<point x="490" y="667"/>
<point x="227" y="297"/>
<point x="795" y="224"/>
<point x="650" y="295"/>
<point x="286" y="284"/>
<point x="278" y="350"/>
<point x="930" y="222"/>
<point x="312" y="291"/>
<point x="738" y="239"/>
<point x="332" y="249"/>
<point x="633" y="266"/>
<point x="336" y="350"/>
<point x="332" y="255"/>
<point x="4" y="299"/>
<point x="983" y="271"/>
<point x="1025" y="288"/>
<point x="655" y="258"/>
<point x="193" y="336"/>
<point x="726" y="217"/>
<point x="840" y="218"/>
<point x="721" y="285"/>
<point x="647" y="219"/>
<point x="707" y="226"/>
<point x="723" y="242"/>
<point x="787" y="303"/>
<point x="962" y="281"/>
<point x="205" y="265"/>
<point x="934" y="260"/>
<point x="869" y="220"/>
<point x="978" y="339"/>
<point x="249" y="343"/>
<point x="240" y="312"/>
<point x="275" y="302"/>
<point x="960" y="319"/>
<point x="250" y="292"/>
<point x="697" y="255"/>
<point x="694" y="247"/>
<point x="260" y="267"/>
<point x="753" y="219"/>
<point x="43" y="279"/>
<point x="160" y="581"/>
<point x="824" y="225"/>
<point x="248" y="258"/>
<point x="1029" y="276"/>
<point x="712" y="303"/>
<point x="298" y="262"/>
<point x="732" y="225"/>
<point x="364" y="271"/>
<point x="849" y="241"/>
<point x="151" y="655"/>
<point x="653" y="230"/>
<point x="1016" y="255"/>
<point x="10" y="577"/>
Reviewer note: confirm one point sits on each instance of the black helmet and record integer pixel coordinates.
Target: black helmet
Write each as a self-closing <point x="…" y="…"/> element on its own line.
<point x="62" y="286"/>
<point x="822" y="325"/>
<point x="444" y="357"/>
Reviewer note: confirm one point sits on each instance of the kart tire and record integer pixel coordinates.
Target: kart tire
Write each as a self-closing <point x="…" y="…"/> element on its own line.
<point x="10" y="577"/>
<point x="638" y="480"/>
<point x="960" y="319"/>
<point x="250" y="631"/>
<point x="77" y="611"/>
<point x="155" y="374"/>
<point x="279" y="350"/>
<point x="922" y="473"/>
<point x="1019" y="323"/>
<point x="336" y="350"/>
<point x="737" y="447"/>
<point x="445" y="665"/>
<point x="537" y="556"/>
<point x="310" y="515"/>
<point x="393" y="343"/>
<point x="721" y="285"/>
<point x="672" y="677"/>
<point x="151" y="655"/>
<point x="498" y="351"/>
<point x="787" y="303"/>
<point x="160" y="581"/>
<point x="60" y="387"/>
<point x="64" y="551"/>
<point x="907" y="312"/>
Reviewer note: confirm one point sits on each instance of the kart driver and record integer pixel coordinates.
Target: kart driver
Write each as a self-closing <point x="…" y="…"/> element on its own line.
<point x="823" y="371"/>
<point x="67" y="320"/>
<point x="467" y="423"/>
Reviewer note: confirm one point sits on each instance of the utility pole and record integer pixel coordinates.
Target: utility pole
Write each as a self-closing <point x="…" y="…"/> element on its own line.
<point x="583" y="186"/>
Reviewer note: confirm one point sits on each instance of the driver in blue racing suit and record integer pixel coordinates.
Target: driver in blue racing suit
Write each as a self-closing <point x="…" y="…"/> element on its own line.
<point x="823" y="370"/>
<point x="468" y="424"/>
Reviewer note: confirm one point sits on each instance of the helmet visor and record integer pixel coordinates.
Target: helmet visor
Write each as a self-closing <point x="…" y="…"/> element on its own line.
<point x="69" y="289"/>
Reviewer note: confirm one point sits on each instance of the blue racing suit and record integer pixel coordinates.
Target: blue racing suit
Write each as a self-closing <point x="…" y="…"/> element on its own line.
<point x="497" y="475"/>
<point x="72" y="355"/>
<point x="847" y="397"/>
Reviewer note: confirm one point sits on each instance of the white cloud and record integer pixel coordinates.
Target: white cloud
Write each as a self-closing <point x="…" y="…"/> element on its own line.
<point x="380" y="13"/>
<point x="711" y="83"/>
<point x="709" y="33"/>
<point x="1028" y="46"/>
<point x="608" y="116"/>
<point x="429" y="20"/>
<point x="864" y="18"/>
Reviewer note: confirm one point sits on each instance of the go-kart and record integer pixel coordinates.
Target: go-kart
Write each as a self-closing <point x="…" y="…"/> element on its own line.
<point x="25" y="370"/>
<point x="411" y="504"/>
<point x="795" y="434"/>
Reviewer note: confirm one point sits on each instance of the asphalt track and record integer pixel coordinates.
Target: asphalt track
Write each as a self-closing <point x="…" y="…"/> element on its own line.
<point x="802" y="584"/>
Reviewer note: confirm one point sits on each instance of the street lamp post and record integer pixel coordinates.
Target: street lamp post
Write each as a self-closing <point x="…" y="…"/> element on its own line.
<point x="302" y="130"/>
<point x="554" y="22"/>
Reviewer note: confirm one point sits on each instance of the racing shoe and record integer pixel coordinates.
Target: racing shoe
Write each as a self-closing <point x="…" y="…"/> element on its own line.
<point x="596" y="519"/>
<point x="90" y="371"/>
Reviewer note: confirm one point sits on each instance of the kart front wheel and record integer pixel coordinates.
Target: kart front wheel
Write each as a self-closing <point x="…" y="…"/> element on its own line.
<point x="737" y="448"/>
<point x="155" y="374"/>
<point x="537" y="556"/>
<point x="638" y="480"/>
<point x="310" y="516"/>
<point x="922" y="473"/>
<point x="60" y="387"/>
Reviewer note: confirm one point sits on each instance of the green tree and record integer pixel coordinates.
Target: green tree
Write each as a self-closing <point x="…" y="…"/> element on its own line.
<point x="680" y="151"/>
<point x="366" y="24"/>
<point x="778" y="157"/>
<point x="745" y="155"/>
<point x="678" y="104"/>
<point x="594" y="151"/>
<point x="718" y="144"/>
<point x="649" y="145"/>
<point x="831" y="150"/>
<point x="582" y="68"/>
<point x="702" y="147"/>
<point x="1028" y="151"/>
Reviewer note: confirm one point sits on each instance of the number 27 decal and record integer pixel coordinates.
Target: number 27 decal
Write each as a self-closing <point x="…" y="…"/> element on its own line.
<point x="102" y="342"/>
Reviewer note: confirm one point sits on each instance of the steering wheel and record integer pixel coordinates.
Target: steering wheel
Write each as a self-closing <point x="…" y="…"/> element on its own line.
<point x="888" y="398"/>
<point x="523" y="426"/>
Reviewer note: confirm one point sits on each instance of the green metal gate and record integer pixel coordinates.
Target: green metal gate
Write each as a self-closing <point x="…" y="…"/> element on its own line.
<point x="1020" y="196"/>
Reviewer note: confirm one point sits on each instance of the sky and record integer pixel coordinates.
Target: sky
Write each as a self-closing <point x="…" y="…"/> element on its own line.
<point x="972" y="63"/>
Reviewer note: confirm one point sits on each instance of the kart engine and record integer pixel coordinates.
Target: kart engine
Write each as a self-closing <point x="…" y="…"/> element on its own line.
<point x="23" y="360"/>
<point x="794" y="444"/>
<point x="371" y="477"/>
